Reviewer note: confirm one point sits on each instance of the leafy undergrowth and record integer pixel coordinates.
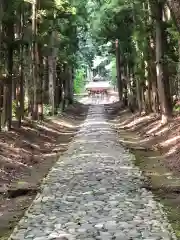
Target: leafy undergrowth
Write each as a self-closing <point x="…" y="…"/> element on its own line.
<point x="26" y="155"/>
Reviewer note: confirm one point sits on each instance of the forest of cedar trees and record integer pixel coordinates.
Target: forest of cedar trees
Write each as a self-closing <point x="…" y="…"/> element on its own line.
<point x="44" y="44"/>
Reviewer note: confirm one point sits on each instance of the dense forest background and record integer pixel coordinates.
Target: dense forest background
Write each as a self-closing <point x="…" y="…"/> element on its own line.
<point x="47" y="48"/>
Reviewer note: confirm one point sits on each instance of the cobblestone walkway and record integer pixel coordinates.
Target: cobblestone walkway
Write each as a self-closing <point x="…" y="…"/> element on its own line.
<point x="94" y="192"/>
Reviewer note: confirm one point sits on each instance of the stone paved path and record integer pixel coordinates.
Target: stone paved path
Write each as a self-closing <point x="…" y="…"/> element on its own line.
<point x="94" y="192"/>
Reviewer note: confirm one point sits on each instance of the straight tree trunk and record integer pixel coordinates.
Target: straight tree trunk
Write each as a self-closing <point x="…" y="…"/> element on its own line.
<point x="7" y="101"/>
<point x="40" y="83"/>
<point x="58" y="87"/>
<point x="70" y="85"/>
<point x="118" y="69"/>
<point x="51" y="83"/>
<point x="52" y="71"/>
<point x="178" y="71"/>
<point x="21" y="70"/>
<point x="165" y="110"/>
<point x="1" y="84"/>
<point x="34" y="63"/>
<point x="153" y="76"/>
<point x="29" y="79"/>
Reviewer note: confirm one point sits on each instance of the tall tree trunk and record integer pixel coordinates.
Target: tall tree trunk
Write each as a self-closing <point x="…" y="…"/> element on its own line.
<point x="40" y="82"/>
<point x="153" y="76"/>
<point x="178" y="71"/>
<point x="34" y="58"/>
<point x="9" y="31"/>
<point x="139" y="95"/>
<point x="70" y="85"/>
<point x="166" y="68"/>
<point x="58" y="86"/>
<point x="52" y="72"/>
<point x="124" y="80"/>
<point x="1" y="83"/>
<point x="29" y="79"/>
<point x="118" y="69"/>
<point x="45" y="81"/>
<point x="64" y="87"/>
<point x="165" y="110"/>
<point x="51" y="83"/>
<point x="20" y="99"/>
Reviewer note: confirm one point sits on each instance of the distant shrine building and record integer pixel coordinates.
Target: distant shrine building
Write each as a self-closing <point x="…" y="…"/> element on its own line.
<point x="98" y="85"/>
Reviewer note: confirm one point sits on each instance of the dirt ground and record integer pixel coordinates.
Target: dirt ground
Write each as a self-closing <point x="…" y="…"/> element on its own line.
<point x="26" y="155"/>
<point x="151" y="135"/>
<point x="157" y="151"/>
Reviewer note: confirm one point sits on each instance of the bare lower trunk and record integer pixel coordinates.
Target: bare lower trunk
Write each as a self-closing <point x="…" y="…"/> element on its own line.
<point x="51" y="83"/>
<point x="70" y="86"/>
<point x="139" y="95"/>
<point x="34" y="60"/>
<point x="8" y="85"/>
<point x="178" y="72"/>
<point x="118" y="70"/>
<point x="21" y="70"/>
<point x="165" y="111"/>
